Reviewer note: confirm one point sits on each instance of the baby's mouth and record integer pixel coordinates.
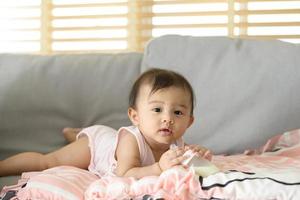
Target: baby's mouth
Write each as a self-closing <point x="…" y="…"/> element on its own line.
<point x="165" y="131"/>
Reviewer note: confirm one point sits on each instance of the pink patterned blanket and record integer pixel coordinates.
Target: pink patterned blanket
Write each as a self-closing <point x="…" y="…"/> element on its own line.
<point x="271" y="172"/>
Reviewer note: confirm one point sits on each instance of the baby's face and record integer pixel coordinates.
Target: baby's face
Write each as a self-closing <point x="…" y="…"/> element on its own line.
<point x="163" y="116"/>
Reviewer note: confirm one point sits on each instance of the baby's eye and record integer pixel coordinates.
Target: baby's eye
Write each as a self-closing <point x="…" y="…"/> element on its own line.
<point x="156" y="109"/>
<point x="178" y="112"/>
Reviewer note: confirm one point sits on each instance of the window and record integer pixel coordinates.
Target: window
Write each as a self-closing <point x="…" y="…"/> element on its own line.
<point x="20" y="24"/>
<point x="54" y="26"/>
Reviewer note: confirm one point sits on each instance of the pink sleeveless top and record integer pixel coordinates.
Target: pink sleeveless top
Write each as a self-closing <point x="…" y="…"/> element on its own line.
<point x="146" y="154"/>
<point x="103" y="142"/>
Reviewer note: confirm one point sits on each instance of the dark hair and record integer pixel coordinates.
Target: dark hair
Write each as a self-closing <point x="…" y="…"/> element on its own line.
<point x="159" y="79"/>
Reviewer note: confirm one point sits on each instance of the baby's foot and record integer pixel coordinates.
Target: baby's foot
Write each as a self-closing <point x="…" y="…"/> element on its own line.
<point x="71" y="133"/>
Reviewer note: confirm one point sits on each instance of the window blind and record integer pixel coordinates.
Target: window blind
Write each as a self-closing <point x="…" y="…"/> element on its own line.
<point x="55" y="26"/>
<point x="268" y="19"/>
<point x="20" y="23"/>
<point x="89" y="26"/>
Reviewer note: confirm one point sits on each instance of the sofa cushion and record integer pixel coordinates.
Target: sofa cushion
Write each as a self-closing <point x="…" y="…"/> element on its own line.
<point x="246" y="90"/>
<point x="39" y="95"/>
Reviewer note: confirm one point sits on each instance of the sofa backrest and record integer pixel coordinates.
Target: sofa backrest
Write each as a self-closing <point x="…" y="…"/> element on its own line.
<point x="39" y="95"/>
<point x="247" y="91"/>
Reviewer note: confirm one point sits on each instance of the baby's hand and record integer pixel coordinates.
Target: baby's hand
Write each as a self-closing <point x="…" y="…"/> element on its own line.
<point x="171" y="158"/>
<point x="200" y="151"/>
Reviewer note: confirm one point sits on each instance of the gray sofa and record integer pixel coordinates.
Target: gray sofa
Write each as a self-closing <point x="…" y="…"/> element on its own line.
<point x="246" y="92"/>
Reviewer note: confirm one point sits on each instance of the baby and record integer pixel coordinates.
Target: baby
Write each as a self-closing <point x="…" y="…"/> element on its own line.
<point x="161" y="104"/>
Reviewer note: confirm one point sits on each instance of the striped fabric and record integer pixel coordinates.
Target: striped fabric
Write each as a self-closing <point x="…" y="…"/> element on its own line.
<point x="60" y="183"/>
<point x="243" y="176"/>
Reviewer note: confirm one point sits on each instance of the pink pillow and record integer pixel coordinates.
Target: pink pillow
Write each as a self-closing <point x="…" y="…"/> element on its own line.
<point x="57" y="183"/>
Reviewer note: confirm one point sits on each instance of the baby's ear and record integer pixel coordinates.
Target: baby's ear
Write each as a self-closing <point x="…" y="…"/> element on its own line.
<point x="133" y="116"/>
<point x="191" y="120"/>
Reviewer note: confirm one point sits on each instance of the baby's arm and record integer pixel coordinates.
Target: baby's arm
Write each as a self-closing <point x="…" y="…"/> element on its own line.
<point x="128" y="159"/>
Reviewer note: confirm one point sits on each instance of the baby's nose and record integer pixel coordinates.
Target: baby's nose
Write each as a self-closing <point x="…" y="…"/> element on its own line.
<point x="168" y="120"/>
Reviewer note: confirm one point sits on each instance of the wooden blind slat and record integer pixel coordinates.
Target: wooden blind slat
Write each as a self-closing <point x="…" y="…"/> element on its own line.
<point x="89" y="39"/>
<point x="180" y="14"/>
<point x="262" y="12"/>
<point x="270" y="36"/>
<point x="243" y="1"/>
<point x="184" y="2"/>
<point x="90" y="5"/>
<point x="89" y="28"/>
<point x="188" y="26"/>
<point x="260" y="24"/>
<point x="90" y="16"/>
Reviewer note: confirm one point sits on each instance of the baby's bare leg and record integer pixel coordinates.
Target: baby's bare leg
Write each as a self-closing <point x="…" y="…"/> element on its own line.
<point x="76" y="154"/>
<point x="71" y="133"/>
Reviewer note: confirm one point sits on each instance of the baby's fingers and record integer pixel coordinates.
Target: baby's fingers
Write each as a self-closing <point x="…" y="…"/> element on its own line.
<point x="178" y="160"/>
<point x="207" y="155"/>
